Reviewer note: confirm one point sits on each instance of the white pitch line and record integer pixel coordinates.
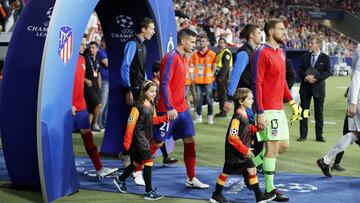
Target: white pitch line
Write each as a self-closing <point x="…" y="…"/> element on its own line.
<point x="326" y="122"/>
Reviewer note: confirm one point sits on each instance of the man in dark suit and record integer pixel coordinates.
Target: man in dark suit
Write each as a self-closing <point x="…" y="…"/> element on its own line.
<point x="314" y="69"/>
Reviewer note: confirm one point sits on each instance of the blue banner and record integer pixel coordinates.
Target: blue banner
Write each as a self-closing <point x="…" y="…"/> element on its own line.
<point x="38" y="81"/>
<point x="331" y="14"/>
<point x="61" y="50"/>
<point x="119" y="25"/>
<point x="20" y="90"/>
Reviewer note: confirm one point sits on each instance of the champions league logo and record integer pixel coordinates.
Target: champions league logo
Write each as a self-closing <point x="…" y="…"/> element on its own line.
<point x="125" y="23"/>
<point x="87" y="169"/>
<point x="49" y="12"/>
<point x="235" y="185"/>
<point x="296" y="187"/>
<point x="41" y="30"/>
<point x="130" y="119"/>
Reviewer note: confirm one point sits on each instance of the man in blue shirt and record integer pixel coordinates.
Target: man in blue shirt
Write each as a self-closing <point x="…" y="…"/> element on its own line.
<point x="101" y="56"/>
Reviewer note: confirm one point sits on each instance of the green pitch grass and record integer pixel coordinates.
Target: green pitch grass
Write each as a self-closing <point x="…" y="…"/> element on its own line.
<point x="300" y="158"/>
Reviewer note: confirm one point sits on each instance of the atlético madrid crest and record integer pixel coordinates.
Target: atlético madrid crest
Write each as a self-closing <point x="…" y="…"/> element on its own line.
<point x="65" y="43"/>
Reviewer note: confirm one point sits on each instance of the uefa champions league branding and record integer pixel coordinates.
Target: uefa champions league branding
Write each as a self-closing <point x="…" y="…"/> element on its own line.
<point x="296" y="187"/>
<point x="235" y="185"/>
<point x="170" y="45"/>
<point x="41" y="30"/>
<point x="125" y="23"/>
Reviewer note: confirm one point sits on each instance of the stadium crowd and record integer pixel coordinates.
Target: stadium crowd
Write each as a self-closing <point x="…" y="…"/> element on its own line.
<point x="227" y="18"/>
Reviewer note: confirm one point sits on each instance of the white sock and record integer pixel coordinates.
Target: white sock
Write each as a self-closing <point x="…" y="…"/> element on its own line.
<point x="340" y="146"/>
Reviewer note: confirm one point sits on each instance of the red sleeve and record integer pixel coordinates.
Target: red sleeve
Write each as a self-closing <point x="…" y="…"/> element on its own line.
<point x="169" y="67"/>
<point x="234" y="139"/>
<point x="258" y="72"/>
<point x="133" y="117"/>
<point x="287" y="94"/>
<point x="159" y="119"/>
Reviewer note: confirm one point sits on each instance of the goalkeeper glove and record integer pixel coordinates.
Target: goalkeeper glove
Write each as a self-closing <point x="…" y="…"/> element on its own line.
<point x="296" y="112"/>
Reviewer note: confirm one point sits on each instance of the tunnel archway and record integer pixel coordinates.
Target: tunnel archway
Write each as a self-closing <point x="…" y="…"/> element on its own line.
<point x="38" y="81"/>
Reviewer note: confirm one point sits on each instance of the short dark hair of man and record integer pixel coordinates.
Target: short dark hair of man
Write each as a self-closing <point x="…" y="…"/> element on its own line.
<point x="156" y="67"/>
<point x="185" y="33"/>
<point x="271" y="25"/>
<point x="222" y="39"/>
<point x="144" y="23"/>
<point x="94" y="43"/>
<point x="248" y="29"/>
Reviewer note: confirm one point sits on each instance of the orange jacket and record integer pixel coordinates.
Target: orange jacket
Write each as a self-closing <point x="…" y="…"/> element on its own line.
<point x="188" y="67"/>
<point x="204" y="67"/>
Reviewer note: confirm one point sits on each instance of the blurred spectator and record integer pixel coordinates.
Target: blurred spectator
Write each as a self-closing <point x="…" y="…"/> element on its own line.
<point x="91" y="30"/>
<point x="2" y="17"/>
<point x="102" y="58"/>
<point x="219" y="18"/>
<point x="12" y="14"/>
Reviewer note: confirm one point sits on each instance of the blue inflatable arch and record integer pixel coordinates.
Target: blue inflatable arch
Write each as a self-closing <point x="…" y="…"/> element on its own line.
<point x="38" y="80"/>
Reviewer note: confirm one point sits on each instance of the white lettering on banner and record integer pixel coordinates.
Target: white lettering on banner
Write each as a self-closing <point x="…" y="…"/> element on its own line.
<point x="41" y="30"/>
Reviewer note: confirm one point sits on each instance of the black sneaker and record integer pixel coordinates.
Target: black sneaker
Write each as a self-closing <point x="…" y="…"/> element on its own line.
<point x="218" y="198"/>
<point x="169" y="161"/>
<point x="358" y="142"/>
<point x="265" y="197"/>
<point x="121" y="185"/>
<point x="152" y="195"/>
<point x="324" y="167"/>
<point x="279" y="197"/>
<point x="337" y="167"/>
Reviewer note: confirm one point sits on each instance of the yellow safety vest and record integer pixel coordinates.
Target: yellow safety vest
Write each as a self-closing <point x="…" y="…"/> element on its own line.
<point x="219" y="56"/>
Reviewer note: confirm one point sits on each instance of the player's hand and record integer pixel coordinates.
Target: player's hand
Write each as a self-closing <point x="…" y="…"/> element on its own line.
<point x="296" y="112"/>
<point x="129" y="99"/>
<point x="172" y="114"/>
<point x="88" y="83"/>
<point x="73" y="110"/>
<point x="262" y="121"/>
<point x="250" y="154"/>
<point x="227" y="106"/>
<point x="351" y="111"/>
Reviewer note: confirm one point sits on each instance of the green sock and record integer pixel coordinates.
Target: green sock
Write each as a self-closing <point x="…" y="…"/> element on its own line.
<point x="269" y="171"/>
<point x="259" y="159"/>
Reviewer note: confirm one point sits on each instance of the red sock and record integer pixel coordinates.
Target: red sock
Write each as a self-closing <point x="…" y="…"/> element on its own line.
<point x="153" y="148"/>
<point x="139" y="168"/>
<point x="190" y="159"/>
<point x="91" y="149"/>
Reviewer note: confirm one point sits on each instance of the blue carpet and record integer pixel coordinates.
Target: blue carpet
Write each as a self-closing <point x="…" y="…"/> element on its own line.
<point x="170" y="183"/>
